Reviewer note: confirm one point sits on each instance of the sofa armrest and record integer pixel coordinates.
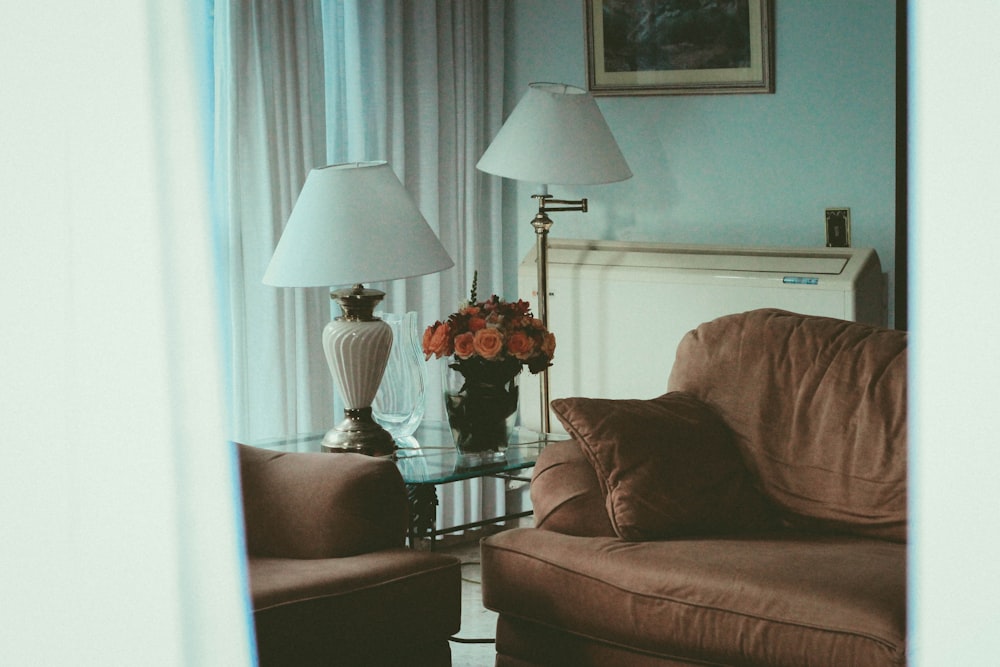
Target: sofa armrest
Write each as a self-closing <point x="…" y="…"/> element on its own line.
<point x="311" y="505"/>
<point x="566" y="494"/>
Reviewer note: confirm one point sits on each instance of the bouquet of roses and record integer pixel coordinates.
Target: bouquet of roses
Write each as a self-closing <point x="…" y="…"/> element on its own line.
<point x="492" y="338"/>
<point x="490" y="342"/>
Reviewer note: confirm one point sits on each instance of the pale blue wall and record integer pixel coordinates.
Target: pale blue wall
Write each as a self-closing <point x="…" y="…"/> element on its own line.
<point x="733" y="169"/>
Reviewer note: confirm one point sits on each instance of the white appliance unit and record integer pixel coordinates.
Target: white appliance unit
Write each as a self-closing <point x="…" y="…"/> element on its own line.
<point x="619" y="309"/>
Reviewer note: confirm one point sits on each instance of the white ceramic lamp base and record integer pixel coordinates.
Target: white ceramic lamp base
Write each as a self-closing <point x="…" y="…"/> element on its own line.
<point x="357" y="352"/>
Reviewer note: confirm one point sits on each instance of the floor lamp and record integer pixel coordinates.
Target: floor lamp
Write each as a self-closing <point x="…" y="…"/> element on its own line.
<point x="556" y="135"/>
<point x="352" y="224"/>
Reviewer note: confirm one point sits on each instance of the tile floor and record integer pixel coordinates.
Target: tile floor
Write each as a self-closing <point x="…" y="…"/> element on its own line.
<point x="477" y="621"/>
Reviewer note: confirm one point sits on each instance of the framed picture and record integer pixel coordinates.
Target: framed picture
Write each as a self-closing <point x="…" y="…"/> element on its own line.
<point x="679" y="47"/>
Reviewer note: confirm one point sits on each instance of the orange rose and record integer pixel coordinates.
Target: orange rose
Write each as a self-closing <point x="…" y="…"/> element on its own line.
<point x="476" y="323"/>
<point x="464" y="345"/>
<point x="437" y="340"/>
<point x="520" y="345"/>
<point x="488" y="343"/>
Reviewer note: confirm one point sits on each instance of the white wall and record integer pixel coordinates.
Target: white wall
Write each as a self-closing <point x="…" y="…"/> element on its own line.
<point x="955" y="363"/>
<point x="733" y="169"/>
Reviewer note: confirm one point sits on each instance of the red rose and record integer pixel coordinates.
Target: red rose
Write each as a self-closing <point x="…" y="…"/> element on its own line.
<point x="549" y="345"/>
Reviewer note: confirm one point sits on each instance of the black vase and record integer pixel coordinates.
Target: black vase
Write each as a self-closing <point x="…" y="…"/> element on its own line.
<point x="481" y="401"/>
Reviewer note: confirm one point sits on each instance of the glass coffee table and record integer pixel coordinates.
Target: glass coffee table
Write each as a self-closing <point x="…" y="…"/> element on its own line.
<point x="429" y="458"/>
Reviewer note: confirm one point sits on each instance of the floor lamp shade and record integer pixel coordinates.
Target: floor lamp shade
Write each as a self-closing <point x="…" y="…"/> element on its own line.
<point x="556" y="135"/>
<point x="352" y="224"/>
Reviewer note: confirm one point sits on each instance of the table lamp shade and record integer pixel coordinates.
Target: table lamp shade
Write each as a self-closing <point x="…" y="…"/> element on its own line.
<point x="556" y="135"/>
<point x="354" y="223"/>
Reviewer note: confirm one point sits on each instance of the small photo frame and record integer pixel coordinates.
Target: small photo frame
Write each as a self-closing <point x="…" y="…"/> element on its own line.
<point x="838" y="228"/>
<point x="679" y="47"/>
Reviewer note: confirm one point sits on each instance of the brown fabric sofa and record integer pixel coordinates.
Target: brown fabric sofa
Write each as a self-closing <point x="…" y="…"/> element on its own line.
<point x="330" y="580"/>
<point x="753" y="515"/>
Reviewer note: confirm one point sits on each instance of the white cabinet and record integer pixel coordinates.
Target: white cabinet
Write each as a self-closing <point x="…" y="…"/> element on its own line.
<point x="618" y="310"/>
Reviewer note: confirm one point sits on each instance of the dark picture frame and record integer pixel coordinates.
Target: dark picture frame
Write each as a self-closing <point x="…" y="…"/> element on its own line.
<point x="679" y="47"/>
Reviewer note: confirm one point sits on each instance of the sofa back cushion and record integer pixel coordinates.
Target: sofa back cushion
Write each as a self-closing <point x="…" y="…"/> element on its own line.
<point x="817" y="407"/>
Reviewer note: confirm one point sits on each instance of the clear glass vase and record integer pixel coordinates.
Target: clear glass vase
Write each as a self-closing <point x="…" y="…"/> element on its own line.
<point x="401" y="399"/>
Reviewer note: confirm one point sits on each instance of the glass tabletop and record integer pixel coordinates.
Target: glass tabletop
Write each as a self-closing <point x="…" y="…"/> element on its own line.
<point x="430" y="457"/>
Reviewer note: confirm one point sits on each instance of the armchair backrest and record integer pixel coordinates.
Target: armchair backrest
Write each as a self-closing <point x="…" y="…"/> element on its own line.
<point x="818" y="410"/>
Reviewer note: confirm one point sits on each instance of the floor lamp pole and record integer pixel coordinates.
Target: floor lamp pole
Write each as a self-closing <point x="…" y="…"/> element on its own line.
<point x="542" y="224"/>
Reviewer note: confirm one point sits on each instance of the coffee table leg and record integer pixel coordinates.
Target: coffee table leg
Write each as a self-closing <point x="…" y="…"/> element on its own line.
<point x="423" y="512"/>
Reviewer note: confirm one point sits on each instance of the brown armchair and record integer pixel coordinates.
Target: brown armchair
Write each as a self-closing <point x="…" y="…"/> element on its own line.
<point x="330" y="580"/>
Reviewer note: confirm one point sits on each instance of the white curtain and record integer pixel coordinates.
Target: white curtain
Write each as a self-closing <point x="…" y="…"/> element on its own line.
<point x="120" y="540"/>
<point x="419" y="84"/>
<point x="270" y="132"/>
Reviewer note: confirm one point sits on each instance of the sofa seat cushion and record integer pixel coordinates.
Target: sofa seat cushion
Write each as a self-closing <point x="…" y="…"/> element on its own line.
<point x="781" y="599"/>
<point x="317" y="605"/>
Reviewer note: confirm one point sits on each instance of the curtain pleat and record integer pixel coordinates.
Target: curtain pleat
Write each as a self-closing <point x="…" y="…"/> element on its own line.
<point x="429" y="74"/>
<point x="416" y="84"/>
<point x="271" y="131"/>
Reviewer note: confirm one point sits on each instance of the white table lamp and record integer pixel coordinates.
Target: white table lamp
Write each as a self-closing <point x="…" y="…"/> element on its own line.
<point x="556" y="135"/>
<point x="352" y="224"/>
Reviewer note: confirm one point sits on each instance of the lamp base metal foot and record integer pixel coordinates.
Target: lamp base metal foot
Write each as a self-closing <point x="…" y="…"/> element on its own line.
<point x="360" y="434"/>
